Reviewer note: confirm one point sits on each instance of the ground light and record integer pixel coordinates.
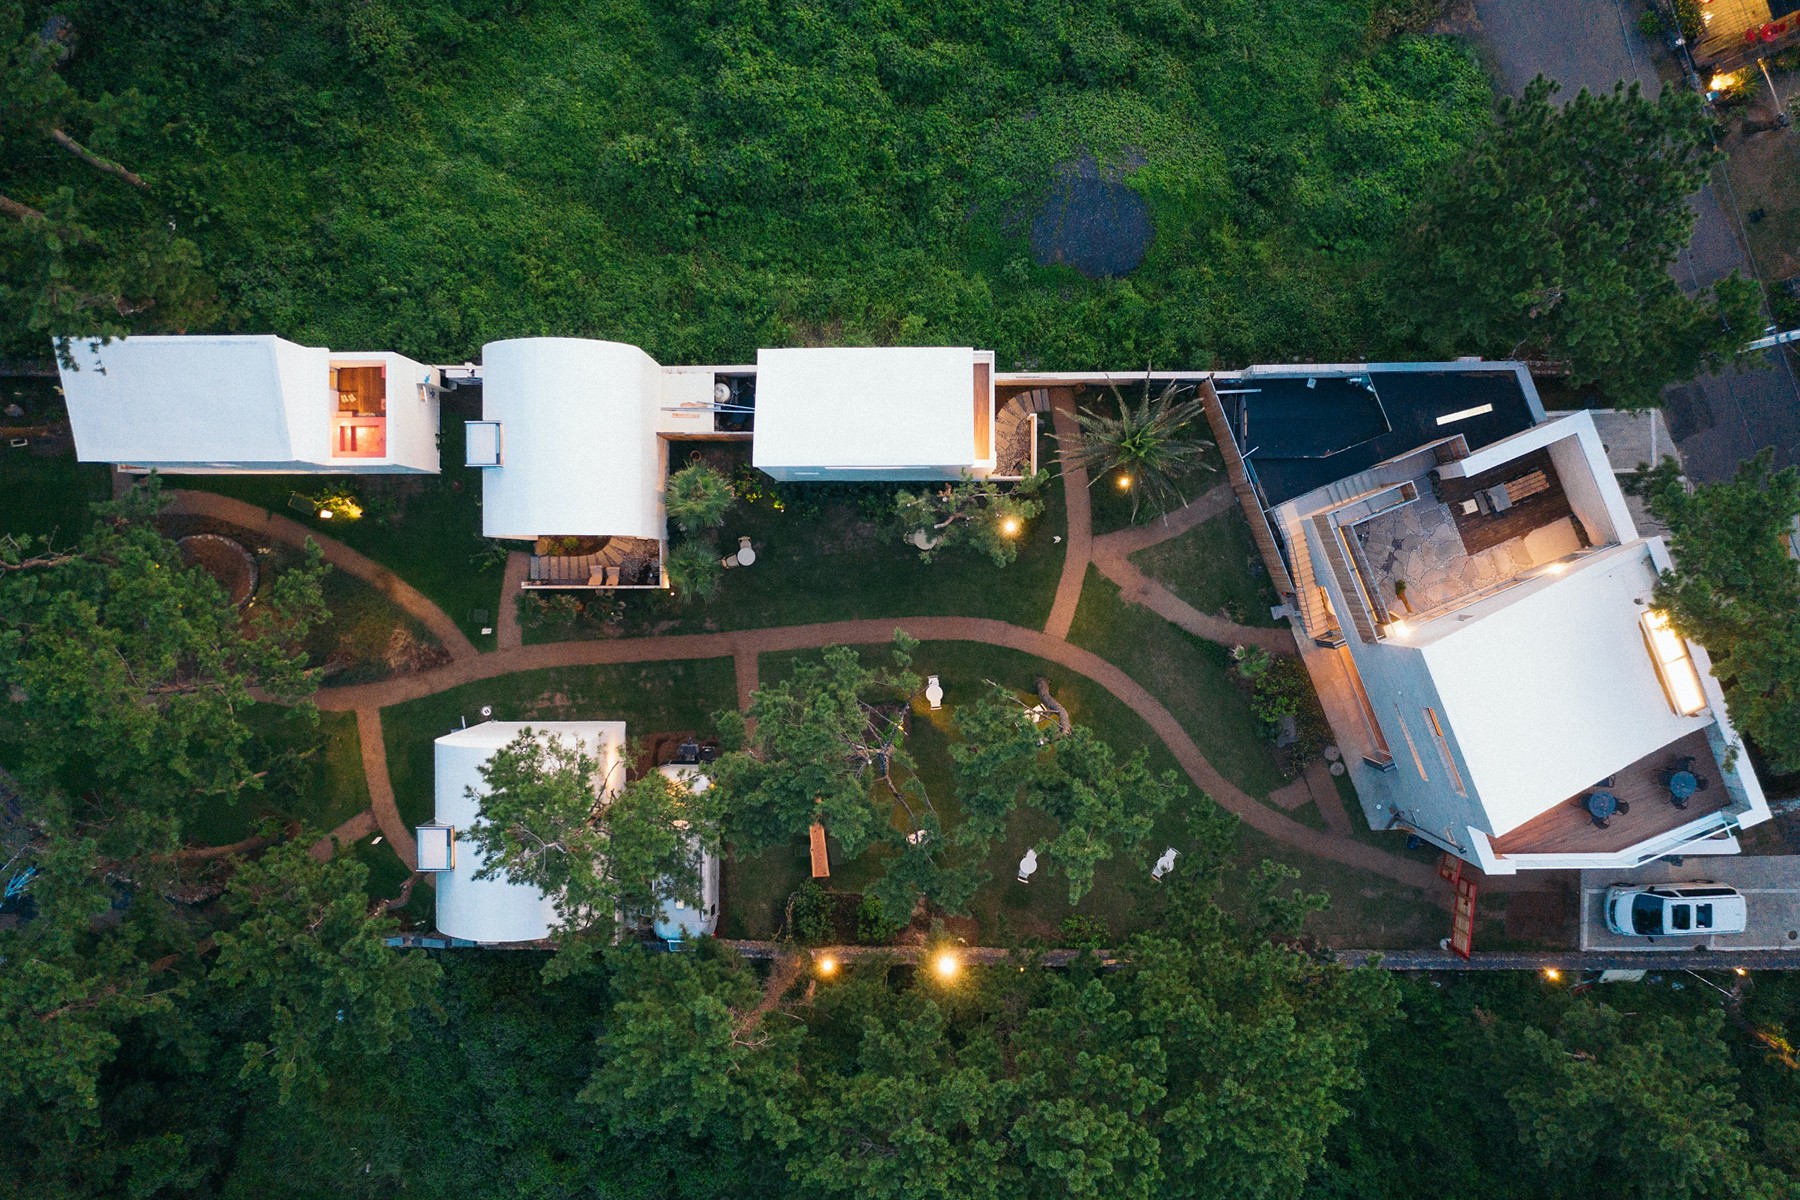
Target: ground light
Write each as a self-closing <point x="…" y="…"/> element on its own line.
<point x="1010" y="527"/>
<point x="1124" y="482"/>
<point x="946" y="964"/>
<point x="1552" y="974"/>
<point x="828" y="966"/>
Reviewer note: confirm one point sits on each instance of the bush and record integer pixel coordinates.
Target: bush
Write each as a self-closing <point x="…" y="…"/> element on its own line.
<point x="810" y="916"/>
<point x="697" y="497"/>
<point x="1651" y="24"/>
<point x="694" y="570"/>
<point x="873" y="928"/>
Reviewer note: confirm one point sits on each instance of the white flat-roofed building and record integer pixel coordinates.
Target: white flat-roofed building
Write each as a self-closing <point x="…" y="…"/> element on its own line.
<point x="249" y="404"/>
<point x="1485" y="622"/>
<point x="498" y="911"/>
<point x="897" y="413"/>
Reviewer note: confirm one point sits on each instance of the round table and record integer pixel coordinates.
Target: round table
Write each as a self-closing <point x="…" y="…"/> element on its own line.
<point x="1602" y="805"/>
<point x="1682" y="784"/>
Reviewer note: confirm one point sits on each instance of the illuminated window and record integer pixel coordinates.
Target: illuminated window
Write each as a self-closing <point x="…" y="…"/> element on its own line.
<point x="1443" y="745"/>
<point x="1674" y="666"/>
<point x="1407" y="734"/>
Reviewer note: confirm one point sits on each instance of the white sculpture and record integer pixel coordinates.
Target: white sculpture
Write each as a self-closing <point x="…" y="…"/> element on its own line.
<point x="1027" y="865"/>
<point x="934" y="693"/>
<point x="1165" y="864"/>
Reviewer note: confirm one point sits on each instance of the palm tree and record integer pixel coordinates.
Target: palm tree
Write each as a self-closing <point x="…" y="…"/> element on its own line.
<point x="1149" y="449"/>
<point x="697" y="497"/>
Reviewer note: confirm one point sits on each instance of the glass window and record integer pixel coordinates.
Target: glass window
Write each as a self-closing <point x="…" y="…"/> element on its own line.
<point x="1680" y="678"/>
<point x="1703" y="916"/>
<point x="1646" y="915"/>
<point x="1681" y="916"/>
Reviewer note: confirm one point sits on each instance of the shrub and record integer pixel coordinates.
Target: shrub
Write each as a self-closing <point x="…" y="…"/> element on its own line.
<point x="697" y="497"/>
<point x="872" y="924"/>
<point x="694" y="570"/>
<point x="809" y="915"/>
<point x="1650" y="23"/>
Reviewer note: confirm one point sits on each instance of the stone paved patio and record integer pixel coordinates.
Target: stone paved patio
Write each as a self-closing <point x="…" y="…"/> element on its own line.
<point x="1418" y="543"/>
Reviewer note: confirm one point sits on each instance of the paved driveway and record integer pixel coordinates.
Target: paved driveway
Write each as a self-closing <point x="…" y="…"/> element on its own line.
<point x="1771" y="887"/>
<point x="1718" y="420"/>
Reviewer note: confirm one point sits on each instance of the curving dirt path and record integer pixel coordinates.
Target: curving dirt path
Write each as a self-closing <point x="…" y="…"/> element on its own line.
<point x="366" y="699"/>
<point x="381" y="789"/>
<point x="279" y="528"/>
<point x="1109" y="554"/>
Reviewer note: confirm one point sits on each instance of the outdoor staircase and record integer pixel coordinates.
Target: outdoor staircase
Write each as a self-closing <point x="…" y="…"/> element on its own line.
<point x="575" y="570"/>
<point x="1015" y="434"/>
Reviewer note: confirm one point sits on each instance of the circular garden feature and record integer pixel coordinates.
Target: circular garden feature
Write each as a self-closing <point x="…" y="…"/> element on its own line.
<point x="225" y="560"/>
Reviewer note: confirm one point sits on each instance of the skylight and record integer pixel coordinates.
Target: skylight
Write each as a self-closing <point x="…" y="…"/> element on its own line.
<point x="1674" y="666"/>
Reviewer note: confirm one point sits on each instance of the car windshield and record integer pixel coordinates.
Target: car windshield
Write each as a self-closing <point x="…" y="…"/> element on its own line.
<point x="1680" y="915"/>
<point x="1646" y="914"/>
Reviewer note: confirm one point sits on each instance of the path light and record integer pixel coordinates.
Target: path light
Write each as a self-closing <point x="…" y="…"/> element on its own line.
<point x="828" y="966"/>
<point x="1010" y="526"/>
<point x="946" y="965"/>
<point x="1124" y="482"/>
<point x="1740" y="970"/>
<point x="1552" y="974"/>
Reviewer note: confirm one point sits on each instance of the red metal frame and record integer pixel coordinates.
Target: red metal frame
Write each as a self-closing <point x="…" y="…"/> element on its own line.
<point x="1462" y="918"/>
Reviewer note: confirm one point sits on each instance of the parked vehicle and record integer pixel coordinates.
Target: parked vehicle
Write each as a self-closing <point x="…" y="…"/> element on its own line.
<point x="1674" y="909"/>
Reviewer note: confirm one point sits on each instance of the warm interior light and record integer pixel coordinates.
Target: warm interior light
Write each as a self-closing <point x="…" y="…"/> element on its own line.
<point x="1124" y="482"/>
<point x="1010" y="526"/>
<point x="827" y="965"/>
<point x="1719" y="83"/>
<point x="1552" y="974"/>
<point x="1556" y="568"/>
<point x="1674" y="666"/>
<point x="946" y="965"/>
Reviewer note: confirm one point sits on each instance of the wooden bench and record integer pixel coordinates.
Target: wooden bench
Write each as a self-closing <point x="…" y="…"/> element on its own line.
<point x="1527" y="485"/>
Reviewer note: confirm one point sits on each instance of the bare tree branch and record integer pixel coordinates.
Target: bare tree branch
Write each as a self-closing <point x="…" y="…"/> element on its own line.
<point x="23" y="212"/>
<point x="97" y="161"/>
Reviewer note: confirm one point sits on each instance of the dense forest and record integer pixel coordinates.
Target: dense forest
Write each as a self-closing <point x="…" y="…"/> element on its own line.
<point x="706" y="178"/>
<point x="1324" y="180"/>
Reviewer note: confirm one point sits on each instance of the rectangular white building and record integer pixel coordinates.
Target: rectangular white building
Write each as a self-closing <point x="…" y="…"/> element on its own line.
<point x="901" y="412"/>
<point x="1475" y="595"/>
<point x="249" y="404"/>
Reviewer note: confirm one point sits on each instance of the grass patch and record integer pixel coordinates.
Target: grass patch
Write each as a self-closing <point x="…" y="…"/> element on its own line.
<point x="1215" y="568"/>
<point x="1190" y="675"/>
<point x="649" y="698"/>
<point x="43" y="494"/>
<point x="426" y="529"/>
<point x="321" y="791"/>
<point x="830" y="556"/>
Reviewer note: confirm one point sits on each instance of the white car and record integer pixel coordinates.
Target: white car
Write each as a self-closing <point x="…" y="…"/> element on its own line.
<point x="1674" y="909"/>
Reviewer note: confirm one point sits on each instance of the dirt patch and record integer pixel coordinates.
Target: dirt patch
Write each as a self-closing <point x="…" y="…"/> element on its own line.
<point x="1092" y="221"/>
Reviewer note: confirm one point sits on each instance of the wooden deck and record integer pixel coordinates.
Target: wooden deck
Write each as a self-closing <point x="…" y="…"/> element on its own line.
<point x="1483" y="531"/>
<point x="1568" y="829"/>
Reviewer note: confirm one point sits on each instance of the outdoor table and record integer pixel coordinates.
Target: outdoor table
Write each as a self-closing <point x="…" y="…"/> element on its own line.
<point x="1602" y="805"/>
<point x="1682" y="784"/>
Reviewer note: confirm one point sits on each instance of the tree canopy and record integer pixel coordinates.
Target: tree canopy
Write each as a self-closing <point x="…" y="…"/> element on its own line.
<point x="1735" y="589"/>
<point x="1553" y="238"/>
<point x="552" y="818"/>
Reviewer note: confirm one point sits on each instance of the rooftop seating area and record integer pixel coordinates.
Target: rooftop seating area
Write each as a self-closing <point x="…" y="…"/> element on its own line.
<point x="1468" y="536"/>
<point x="1646" y="809"/>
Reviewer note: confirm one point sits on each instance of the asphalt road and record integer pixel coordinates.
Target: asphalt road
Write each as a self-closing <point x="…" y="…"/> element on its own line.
<point x="1717" y="420"/>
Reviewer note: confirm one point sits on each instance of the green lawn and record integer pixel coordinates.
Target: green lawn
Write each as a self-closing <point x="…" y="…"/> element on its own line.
<point x="368" y="637"/>
<point x="41" y="495"/>
<point x="427" y="529"/>
<point x="1112" y="504"/>
<point x="1190" y="675"/>
<point x="321" y="790"/>
<point x="1366" y="910"/>
<point x="827" y="557"/>
<point x="649" y="698"/>
<point x="1215" y="568"/>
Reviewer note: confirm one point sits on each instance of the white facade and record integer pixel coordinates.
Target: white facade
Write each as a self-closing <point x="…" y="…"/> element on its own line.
<point x="1505" y="707"/>
<point x="578" y="446"/>
<point x="499" y="911"/>
<point x="250" y="404"/>
<point x="873" y="414"/>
